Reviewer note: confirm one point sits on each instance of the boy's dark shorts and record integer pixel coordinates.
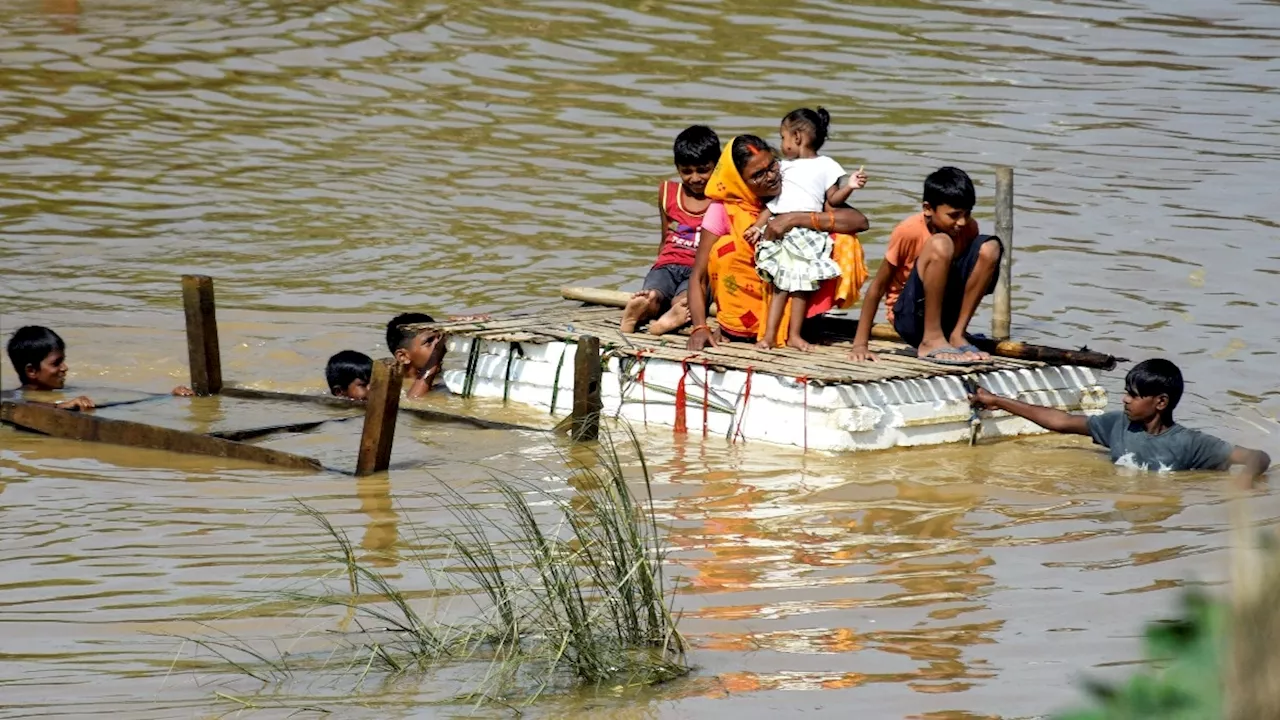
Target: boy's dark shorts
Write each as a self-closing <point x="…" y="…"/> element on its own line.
<point x="908" y="311"/>
<point x="669" y="281"/>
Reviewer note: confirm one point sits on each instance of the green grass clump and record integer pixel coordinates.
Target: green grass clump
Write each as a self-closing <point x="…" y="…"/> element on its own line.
<point x="568" y="591"/>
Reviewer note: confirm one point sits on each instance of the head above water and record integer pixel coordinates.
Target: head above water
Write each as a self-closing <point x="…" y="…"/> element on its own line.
<point x="949" y="197"/>
<point x="696" y="150"/>
<point x="348" y="373"/>
<point x="1152" y="388"/>
<point x="416" y="351"/>
<point x="39" y="356"/>
<point x="758" y="165"/>
<point x="804" y="132"/>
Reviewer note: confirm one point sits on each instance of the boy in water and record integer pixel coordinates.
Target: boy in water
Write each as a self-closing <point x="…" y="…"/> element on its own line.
<point x="348" y="374"/>
<point x="39" y="356"/>
<point x="420" y="354"/>
<point x="1144" y="434"/>
<point x="936" y="271"/>
<point x="680" y="210"/>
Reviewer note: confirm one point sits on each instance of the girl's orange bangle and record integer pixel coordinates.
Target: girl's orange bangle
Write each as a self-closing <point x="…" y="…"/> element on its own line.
<point x="696" y="328"/>
<point x="831" y="220"/>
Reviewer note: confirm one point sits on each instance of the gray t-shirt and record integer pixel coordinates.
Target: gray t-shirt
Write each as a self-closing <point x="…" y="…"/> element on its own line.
<point x="1177" y="448"/>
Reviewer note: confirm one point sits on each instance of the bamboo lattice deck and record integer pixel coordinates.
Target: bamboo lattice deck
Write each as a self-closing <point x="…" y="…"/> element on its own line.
<point x="826" y="364"/>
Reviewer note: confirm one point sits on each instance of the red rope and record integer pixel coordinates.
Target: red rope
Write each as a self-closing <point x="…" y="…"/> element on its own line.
<point x="805" y="380"/>
<point x="706" y="395"/>
<point x="682" y="426"/>
<point x="746" y="396"/>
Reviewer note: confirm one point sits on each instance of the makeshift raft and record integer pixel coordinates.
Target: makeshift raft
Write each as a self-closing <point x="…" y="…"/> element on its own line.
<point x="815" y="400"/>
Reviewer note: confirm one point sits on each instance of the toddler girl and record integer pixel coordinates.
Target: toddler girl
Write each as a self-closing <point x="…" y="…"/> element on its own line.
<point x="797" y="263"/>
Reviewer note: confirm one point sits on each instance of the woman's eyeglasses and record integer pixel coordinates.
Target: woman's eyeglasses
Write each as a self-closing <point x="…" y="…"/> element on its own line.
<point x="773" y="169"/>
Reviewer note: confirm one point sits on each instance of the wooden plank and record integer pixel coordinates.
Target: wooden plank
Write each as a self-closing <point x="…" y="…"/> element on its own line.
<point x="619" y="298"/>
<point x="380" y="417"/>
<point x="1001" y="315"/>
<point x="586" y="390"/>
<point x="202" y="334"/>
<point x="71" y="425"/>
<point x="331" y="401"/>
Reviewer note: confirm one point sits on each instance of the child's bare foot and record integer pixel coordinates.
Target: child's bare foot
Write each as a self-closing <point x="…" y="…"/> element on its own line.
<point x="673" y="319"/>
<point x="637" y="309"/>
<point x="798" y="343"/>
<point x="765" y="344"/>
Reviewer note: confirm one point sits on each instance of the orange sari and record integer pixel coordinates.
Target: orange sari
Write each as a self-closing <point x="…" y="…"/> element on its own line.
<point x="741" y="296"/>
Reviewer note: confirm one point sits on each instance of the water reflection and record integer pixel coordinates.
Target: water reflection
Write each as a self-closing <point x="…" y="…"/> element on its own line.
<point x="333" y="164"/>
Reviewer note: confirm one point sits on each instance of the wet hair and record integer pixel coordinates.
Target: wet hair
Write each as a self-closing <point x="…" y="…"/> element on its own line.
<point x="396" y="337"/>
<point x="30" y="345"/>
<point x="1156" y="377"/>
<point x="346" y="367"/>
<point x="697" y="145"/>
<point x="950" y="186"/>
<point x="746" y="147"/>
<point x="813" y="122"/>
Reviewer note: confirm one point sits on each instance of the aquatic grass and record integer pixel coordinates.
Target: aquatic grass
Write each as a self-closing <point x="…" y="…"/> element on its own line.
<point x="568" y="589"/>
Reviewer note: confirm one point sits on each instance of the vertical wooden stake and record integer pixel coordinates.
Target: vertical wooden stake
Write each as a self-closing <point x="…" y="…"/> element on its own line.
<point x="586" y="390"/>
<point x="1001" y="316"/>
<point x="380" y="413"/>
<point x="202" y="334"/>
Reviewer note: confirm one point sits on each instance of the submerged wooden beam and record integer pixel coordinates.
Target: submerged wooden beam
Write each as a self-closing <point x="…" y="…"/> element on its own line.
<point x="1002" y="311"/>
<point x="380" y="417"/>
<point x="237" y="391"/>
<point x="587" y="403"/>
<point x="72" y="425"/>
<point x="202" y="334"/>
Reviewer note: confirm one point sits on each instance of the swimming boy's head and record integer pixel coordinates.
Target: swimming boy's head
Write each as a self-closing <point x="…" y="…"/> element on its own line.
<point x="697" y="149"/>
<point x="804" y="129"/>
<point x="1152" y="387"/>
<point x="757" y="165"/>
<point x="40" y="358"/>
<point x="348" y="374"/>
<point x="948" y="199"/>
<point x="418" y="351"/>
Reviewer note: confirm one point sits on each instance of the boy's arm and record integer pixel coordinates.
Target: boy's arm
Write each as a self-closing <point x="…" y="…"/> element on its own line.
<point x="1046" y="417"/>
<point x="662" y="215"/>
<point x="875" y="291"/>
<point x="1255" y="462"/>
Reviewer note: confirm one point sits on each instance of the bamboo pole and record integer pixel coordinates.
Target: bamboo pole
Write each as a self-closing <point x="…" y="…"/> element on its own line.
<point x="586" y="389"/>
<point x="202" y="334"/>
<point x="380" y="413"/>
<point x="1001" y="320"/>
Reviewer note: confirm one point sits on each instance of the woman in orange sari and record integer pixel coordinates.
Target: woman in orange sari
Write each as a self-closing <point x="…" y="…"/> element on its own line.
<point x="724" y="269"/>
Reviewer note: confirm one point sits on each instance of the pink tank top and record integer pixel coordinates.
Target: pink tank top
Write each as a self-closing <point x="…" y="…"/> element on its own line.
<point x="680" y="245"/>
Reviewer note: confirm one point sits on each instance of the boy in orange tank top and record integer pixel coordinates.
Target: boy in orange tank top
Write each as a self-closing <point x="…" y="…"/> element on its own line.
<point x="680" y="210"/>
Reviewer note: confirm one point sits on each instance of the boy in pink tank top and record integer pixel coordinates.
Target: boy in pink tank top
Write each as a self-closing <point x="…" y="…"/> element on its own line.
<point x="681" y="207"/>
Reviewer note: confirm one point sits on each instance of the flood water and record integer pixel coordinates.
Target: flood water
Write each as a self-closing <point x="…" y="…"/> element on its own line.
<point x="334" y="163"/>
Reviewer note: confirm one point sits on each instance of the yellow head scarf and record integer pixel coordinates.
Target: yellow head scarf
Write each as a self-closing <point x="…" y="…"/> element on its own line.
<point x="735" y="285"/>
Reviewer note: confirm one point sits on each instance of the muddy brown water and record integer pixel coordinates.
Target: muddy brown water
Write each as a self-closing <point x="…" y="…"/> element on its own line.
<point x="334" y="163"/>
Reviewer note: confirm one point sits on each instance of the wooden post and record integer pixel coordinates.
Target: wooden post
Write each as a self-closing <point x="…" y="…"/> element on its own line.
<point x="202" y="334"/>
<point x="1001" y="315"/>
<point x="380" y="417"/>
<point x="586" y="390"/>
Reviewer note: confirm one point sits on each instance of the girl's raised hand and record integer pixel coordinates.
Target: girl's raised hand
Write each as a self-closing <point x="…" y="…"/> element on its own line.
<point x="859" y="179"/>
